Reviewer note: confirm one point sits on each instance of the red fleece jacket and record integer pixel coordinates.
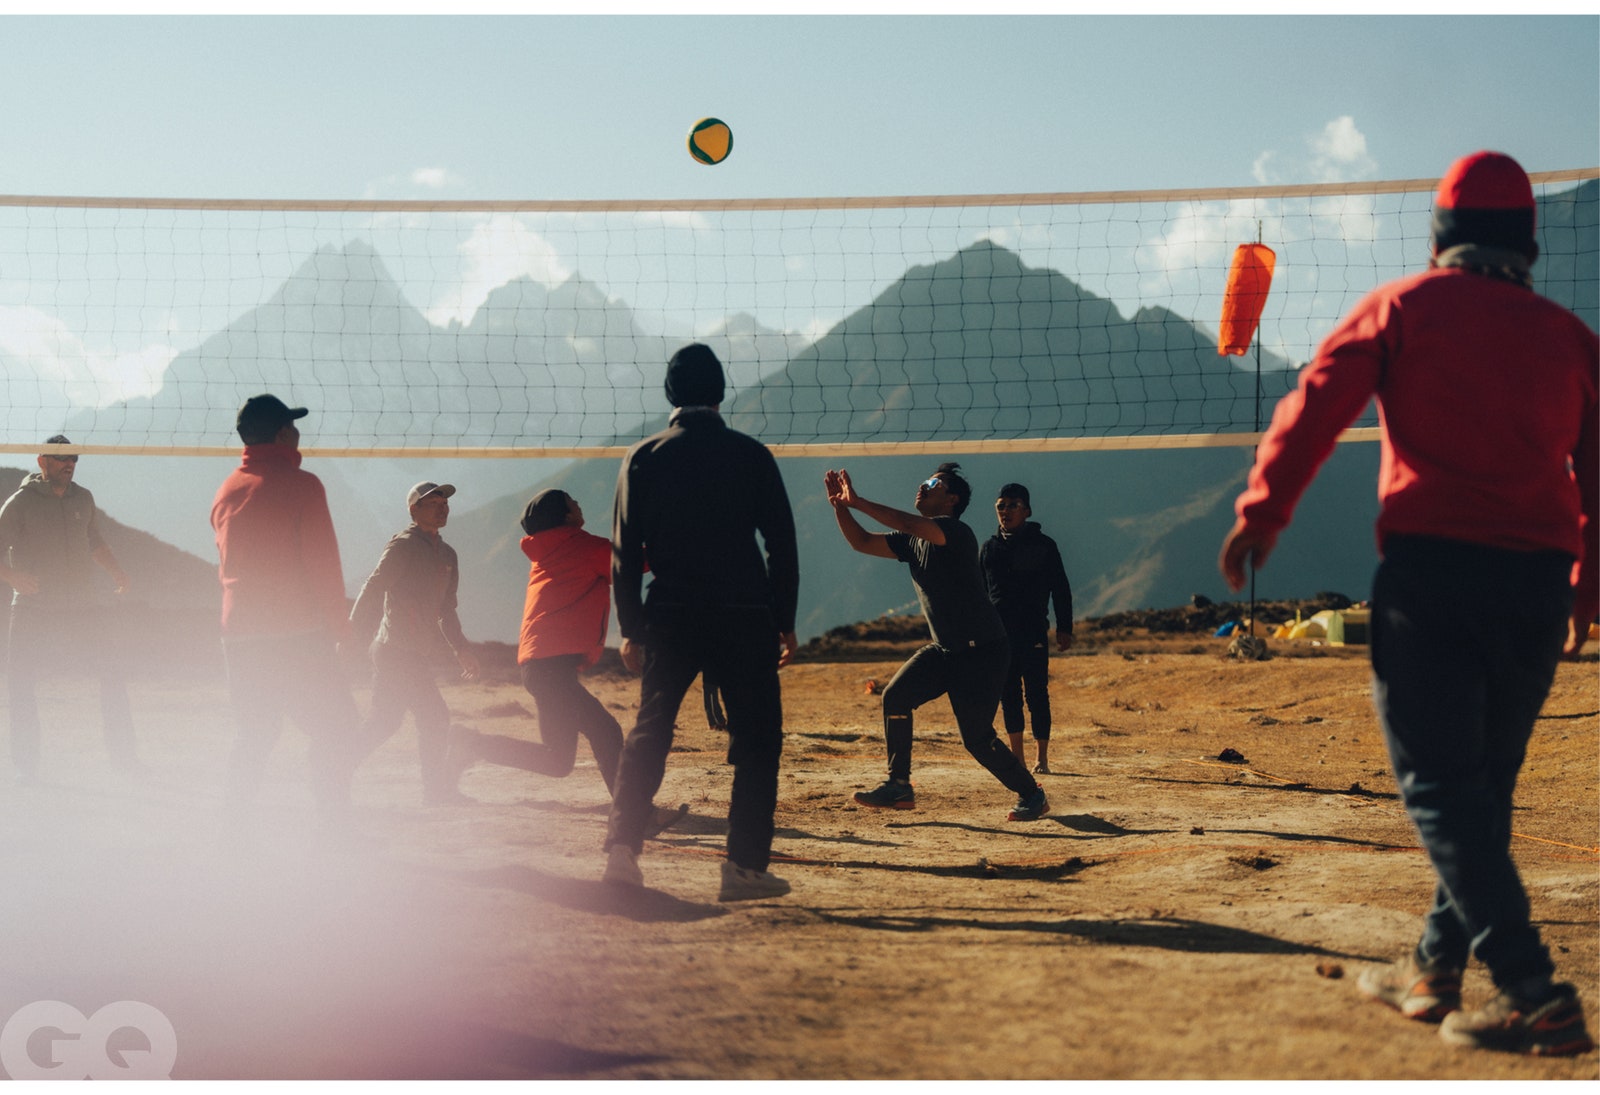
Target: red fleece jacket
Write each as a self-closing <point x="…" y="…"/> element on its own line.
<point x="568" y="604"/>
<point x="1487" y="398"/>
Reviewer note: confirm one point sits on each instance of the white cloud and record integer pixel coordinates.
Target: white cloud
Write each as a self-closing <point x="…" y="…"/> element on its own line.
<point x="437" y="178"/>
<point x="1337" y="153"/>
<point x="500" y="249"/>
<point x="410" y="184"/>
<point x="67" y="370"/>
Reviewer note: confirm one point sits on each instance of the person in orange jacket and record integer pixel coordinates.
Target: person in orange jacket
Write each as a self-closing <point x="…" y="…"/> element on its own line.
<point x="564" y="620"/>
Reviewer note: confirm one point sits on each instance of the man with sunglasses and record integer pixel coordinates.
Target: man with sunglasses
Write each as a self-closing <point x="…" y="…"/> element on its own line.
<point x="969" y="654"/>
<point x="49" y="537"/>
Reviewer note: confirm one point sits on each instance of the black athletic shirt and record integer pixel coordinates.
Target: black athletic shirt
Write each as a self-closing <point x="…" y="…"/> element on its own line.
<point x="950" y="585"/>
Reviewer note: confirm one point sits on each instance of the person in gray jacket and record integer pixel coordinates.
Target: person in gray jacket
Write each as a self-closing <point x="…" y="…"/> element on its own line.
<point x="407" y="609"/>
<point x="50" y="542"/>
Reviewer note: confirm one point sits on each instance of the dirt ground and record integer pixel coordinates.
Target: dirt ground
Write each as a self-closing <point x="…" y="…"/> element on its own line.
<point x="1225" y="852"/>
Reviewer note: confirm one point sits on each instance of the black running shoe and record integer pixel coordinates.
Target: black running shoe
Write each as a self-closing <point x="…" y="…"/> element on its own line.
<point x="891" y="795"/>
<point x="1030" y="807"/>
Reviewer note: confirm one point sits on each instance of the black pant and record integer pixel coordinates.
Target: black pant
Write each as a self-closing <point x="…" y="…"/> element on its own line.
<point x="298" y="677"/>
<point x="42" y="636"/>
<point x="566" y="710"/>
<point x="972" y="677"/>
<point x="739" y="649"/>
<point x="1465" y="642"/>
<point x="1027" y="678"/>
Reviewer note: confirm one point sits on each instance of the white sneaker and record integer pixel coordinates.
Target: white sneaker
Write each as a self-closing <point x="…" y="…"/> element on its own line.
<point x="742" y="884"/>
<point x="622" y="867"/>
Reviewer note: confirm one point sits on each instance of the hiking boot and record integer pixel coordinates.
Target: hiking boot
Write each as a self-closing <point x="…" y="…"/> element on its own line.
<point x="890" y="795"/>
<point x="664" y="818"/>
<point x="1030" y="807"/>
<point x="743" y="884"/>
<point x="1424" y="993"/>
<point x="622" y="867"/>
<point x="1554" y="1028"/>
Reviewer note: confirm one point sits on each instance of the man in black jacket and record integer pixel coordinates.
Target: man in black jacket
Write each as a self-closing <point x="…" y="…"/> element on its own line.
<point x="692" y="500"/>
<point x="1023" y="569"/>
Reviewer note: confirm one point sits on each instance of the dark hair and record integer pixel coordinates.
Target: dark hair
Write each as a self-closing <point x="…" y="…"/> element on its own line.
<point x="548" y="510"/>
<point x="956" y="486"/>
<point x="1017" y="491"/>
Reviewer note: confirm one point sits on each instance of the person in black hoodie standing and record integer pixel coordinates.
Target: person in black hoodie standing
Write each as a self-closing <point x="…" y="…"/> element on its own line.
<point x="1024" y="572"/>
<point x="707" y="507"/>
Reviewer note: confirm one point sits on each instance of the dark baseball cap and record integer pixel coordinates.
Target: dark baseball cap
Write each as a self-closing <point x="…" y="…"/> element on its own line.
<point x="262" y="416"/>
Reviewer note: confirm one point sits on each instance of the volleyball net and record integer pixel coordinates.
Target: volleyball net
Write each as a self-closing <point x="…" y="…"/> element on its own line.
<point x="1022" y="322"/>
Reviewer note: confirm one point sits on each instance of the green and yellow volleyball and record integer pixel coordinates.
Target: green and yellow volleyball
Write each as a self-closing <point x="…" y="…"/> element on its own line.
<point x="710" y="140"/>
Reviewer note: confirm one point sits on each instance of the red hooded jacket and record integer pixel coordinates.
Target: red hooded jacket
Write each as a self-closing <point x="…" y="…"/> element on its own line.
<point x="568" y="605"/>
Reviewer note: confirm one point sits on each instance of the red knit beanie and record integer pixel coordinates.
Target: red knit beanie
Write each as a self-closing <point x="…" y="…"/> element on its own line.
<point x="1484" y="198"/>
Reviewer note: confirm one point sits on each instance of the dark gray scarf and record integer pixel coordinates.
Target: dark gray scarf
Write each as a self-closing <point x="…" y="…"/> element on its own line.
<point x="1491" y="262"/>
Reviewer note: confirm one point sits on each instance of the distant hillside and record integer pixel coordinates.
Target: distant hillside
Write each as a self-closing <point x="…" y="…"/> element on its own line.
<point x="923" y="362"/>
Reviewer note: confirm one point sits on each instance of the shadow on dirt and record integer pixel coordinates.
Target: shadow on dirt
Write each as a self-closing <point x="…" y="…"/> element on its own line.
<point x="1162" y="933"/>
<point x="633" y="902"/>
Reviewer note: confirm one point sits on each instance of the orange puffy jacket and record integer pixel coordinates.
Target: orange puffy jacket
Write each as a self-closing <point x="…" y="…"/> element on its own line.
<point x="568" y="605"/>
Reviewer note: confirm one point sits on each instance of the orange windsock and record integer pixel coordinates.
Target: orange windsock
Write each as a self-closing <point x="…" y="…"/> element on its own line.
<point x="1248" y="283"/>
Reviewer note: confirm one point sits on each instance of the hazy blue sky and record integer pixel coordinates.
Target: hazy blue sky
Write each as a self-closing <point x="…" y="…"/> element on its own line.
<point x="550" y="107"/>
<point x="92" y="308"/>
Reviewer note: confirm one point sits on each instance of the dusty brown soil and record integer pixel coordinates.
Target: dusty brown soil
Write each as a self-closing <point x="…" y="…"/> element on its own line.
<point x="1178" y="915"/>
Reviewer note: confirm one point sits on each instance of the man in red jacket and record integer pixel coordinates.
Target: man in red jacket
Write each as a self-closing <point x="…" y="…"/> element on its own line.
<point x="283" y="612"/>
<point x="1490" y="493"/>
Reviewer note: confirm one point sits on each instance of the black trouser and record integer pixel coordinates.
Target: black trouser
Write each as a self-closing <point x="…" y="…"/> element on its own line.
<point x="405" y="681"/>
<point x="972" y="677"/>
<point x="739" y="648"/>
<point x="1465" y="642"/>
<point x="298" y="677"/>
<point x="1027" y="678"/>
<point x="42" y="636"/>
<point x="566" y="710"/>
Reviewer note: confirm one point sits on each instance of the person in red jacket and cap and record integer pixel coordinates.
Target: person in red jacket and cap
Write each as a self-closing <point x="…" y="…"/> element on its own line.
<point x="1489" y="494"/>
<point x="283" y="614"/>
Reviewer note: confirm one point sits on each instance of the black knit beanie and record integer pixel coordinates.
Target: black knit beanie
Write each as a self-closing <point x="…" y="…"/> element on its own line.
<point x="694" y="377"/>
<point x="548" y="510"/>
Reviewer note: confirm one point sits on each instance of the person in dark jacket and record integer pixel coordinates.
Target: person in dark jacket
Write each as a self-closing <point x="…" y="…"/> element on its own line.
<point x="406" y="610"/>
<point x="1489" y="498"/>
<point x="707" y="507"/>
<point x="1023" y="569"/>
